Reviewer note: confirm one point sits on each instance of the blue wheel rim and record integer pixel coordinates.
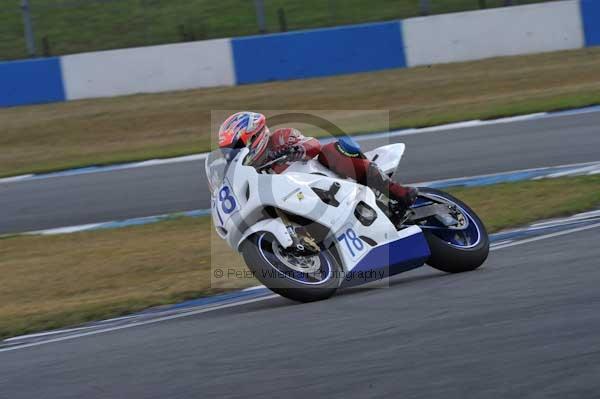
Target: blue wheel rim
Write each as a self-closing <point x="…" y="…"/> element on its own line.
<point x="464" y="239"/>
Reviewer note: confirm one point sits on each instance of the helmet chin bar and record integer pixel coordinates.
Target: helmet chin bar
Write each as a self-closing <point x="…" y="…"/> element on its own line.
<point x="252" y="138"/>
<point x="257" y="149"/>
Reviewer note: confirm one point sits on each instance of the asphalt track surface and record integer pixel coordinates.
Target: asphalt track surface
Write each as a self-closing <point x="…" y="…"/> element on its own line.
<point x="525" y="325"/>
<point x="152" y="190"/>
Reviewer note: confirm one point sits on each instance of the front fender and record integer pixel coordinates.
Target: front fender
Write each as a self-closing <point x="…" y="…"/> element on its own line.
<point x="273" y="226"/>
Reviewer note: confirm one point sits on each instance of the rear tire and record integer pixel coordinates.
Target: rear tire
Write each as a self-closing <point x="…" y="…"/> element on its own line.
<point x="258" y="254"/>
<point x="451" y="258"/>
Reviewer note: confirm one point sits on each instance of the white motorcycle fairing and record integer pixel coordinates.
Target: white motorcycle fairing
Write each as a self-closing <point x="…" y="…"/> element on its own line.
<point x="387" y="157"/>
<point x="240" y="195"/>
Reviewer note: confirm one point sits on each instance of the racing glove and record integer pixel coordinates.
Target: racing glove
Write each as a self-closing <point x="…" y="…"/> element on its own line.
<point x="293" y="153"/>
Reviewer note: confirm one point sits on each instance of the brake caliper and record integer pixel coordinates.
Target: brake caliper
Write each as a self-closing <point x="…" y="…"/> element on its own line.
<point x="303" y="244"/>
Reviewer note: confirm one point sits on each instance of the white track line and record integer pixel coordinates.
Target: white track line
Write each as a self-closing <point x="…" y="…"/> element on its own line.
<point x="359" y="137"/>
<point x="13" y="179"/>
<point x="543" y="237"/>
<point x="105" y="169"/>
<point x="47" y="333"/>
<point x="140" y="323"/>
<point x="230" y="305"/>
<point x="579" y="166"/>
<point x="94" y="226"/>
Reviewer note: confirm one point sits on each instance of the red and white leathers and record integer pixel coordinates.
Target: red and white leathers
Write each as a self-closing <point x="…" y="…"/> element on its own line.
<point x="353" y="164"/>
<point x="289" y="142"/>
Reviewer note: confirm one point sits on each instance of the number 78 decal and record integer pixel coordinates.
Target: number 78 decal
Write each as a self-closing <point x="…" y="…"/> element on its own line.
<point x="354" y="244"/>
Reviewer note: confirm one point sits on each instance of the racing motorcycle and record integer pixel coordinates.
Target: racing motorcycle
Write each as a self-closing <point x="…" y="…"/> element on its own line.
<point x="306" y="232"/>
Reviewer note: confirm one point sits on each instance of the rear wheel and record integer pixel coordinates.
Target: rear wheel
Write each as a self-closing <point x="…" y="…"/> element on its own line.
<point x="454" y="250"/>
<point x="300" y="278"/>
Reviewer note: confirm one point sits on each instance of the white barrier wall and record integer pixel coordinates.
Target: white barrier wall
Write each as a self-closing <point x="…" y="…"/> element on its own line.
<point x="148" y="69"/>
<point x="551" y="26"/>
<point x="491" y="33"/>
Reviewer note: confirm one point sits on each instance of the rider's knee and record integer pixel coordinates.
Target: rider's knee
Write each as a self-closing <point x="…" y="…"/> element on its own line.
<point x="345" y="158"/>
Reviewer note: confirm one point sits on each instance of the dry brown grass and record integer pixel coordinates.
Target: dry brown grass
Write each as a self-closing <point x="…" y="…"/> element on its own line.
<point x="55" y="281"/>
<point x="55" y="136"/>
<point x="513" y="204"/>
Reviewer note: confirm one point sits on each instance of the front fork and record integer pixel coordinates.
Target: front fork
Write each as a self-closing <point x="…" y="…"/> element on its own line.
<point x="303" y="243"/>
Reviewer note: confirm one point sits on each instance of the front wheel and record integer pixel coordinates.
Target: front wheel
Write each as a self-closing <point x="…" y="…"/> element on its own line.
<point x="300" y="278"/>
<point x="454" y="250"/>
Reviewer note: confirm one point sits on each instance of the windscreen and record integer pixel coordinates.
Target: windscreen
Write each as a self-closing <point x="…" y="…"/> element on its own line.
<point x="216" y="166"/>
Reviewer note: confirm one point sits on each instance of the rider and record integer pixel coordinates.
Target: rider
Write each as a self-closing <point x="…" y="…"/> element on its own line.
<point x="249" y="129"/>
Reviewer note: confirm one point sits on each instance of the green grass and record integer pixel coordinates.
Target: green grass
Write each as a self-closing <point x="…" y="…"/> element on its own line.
<point x="56" y="281"/>
<point x="72" y="27"/>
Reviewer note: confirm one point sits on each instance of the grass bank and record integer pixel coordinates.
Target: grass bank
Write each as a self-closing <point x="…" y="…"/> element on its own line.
<point x="102" y="131"/>
<point x="111" y="24"/>
<point x="55" y="281"/>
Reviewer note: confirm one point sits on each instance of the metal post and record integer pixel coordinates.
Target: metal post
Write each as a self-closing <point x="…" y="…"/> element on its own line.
<point x="28" y="26"/>
<point x="260" y="15"/>
<point x="282" y="20"/>
<point x="332" y="8"/>
<point x="424" y="8"/>
<point x="145" y="13"/>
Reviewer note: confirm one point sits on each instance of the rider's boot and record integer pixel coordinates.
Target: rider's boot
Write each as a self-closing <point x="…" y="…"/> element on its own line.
<point x="401" y="197"/>
<point x="345" y="158"/>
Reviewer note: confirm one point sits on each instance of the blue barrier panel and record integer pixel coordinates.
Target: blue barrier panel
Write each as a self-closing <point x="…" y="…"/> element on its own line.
<point x="321" y="52"/>
<point x="30" y="82"/>
<point x="590" y="16"/>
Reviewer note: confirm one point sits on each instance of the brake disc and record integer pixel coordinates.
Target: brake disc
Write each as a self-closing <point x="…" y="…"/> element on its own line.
<point x="302" y="264"/>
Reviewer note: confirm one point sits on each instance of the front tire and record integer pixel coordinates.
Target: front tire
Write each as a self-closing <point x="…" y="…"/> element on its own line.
<point x="449" y="255"/>
<point x="261" y="252"/>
